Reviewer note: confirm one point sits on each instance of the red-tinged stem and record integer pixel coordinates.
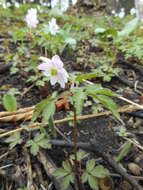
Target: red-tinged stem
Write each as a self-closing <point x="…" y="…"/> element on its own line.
<point x="75" y="152"/>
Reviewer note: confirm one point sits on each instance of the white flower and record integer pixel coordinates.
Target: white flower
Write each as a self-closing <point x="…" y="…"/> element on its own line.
<point x="121" y="14"/>
<point x="122" y="9"/>
<point x="4" y="5"/>
<point x="54" y="3"/>
<point x="64" y="5"/>
<point x="113" y="12"/>
<point x="53" y="27"/>
<point x="8" y="4"/>
<point x="16" y="4"/>
<point x="74" y="2"/>
<point x="31" y="18"/>
<point x="133" y="11"/>
<point x="53" y="68"/>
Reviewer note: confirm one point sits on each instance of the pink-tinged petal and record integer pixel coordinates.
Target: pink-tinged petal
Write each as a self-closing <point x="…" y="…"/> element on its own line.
<point x="62" y="83"/>
<point x="45" y="59"/>
<point x="61" y="80"/>
<point x="44" y="67"/>
<point x="53" y="80"/>
<point x="64" y="72"/>
<point x="57" y="61"/>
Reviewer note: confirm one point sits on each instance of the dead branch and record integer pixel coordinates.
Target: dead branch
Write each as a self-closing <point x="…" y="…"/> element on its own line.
<point x="93" y="146"/>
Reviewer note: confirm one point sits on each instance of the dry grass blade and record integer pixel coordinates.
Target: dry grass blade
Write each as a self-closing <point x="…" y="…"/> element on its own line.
<point x="127" y="108"/>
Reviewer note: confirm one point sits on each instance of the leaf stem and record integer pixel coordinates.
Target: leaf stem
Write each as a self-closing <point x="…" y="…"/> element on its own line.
<point x="75" y="152"/>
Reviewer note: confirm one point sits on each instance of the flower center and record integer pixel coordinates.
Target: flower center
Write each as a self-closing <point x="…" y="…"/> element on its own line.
<point x="54" y="72"/>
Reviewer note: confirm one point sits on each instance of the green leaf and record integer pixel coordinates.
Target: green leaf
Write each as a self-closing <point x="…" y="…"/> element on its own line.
<point x="34" y="149"/>
<point x="71" y="42"/>
<point x="100" y="172"/>
<point x="84" y="177"/>
<point x="108" y="103"/>
<point x="129" y="28"/>
<point x="123" y="152"/>
<point x="97" y="89"/>
<point x="100" y="30"/>
<point x="66" y="181"/>
<point x="86" y="76"/>
<point x="14" y="140"/>
<point x="38" y="137"/>
<point x="111" y="32"/>
<point x="67" y="166"/>
<point x="79" y="96"/>
<point x="92" y="89"/>
<point x="48" y="111"/>
<point x="44" y="143"/>
<point x="9" y="102"/>
<point x="90" y="165"/>
<point x="39" y="108"/>
<point x="93" y="182"/>
<point x="60" y="172"/>
<point x="81" y="154"/>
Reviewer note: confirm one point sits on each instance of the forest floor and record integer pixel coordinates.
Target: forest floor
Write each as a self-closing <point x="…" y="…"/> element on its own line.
<point x="18" y="167"/>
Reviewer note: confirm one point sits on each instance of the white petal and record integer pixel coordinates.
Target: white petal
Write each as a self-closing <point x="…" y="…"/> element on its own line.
<point x="61" y="80"/>
<point x="44" y="67"/>
<point x="53" y="80"/>
<point x="45" y="59"/>
<point x="46" y="73"/>
<point x="57" y="61"/>
<point x="64" y="72"/>
<point x="53" y="21"/>
<point x="62" y="83"/>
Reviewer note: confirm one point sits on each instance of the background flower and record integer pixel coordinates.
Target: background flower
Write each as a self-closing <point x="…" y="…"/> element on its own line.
<point x="53" y="27"/>
<point x="31" y="18"/>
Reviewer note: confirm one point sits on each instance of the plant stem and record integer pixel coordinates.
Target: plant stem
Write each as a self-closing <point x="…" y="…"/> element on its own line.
<point x="75" y="152"/>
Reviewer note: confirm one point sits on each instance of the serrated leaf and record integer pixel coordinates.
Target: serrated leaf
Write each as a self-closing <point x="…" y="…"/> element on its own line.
<point x="34" y="149"/>
<point x="108" y="103"/>
<point x="91" y="89"/>
<point x="38" y="137"/>
<point x="93" y="182"/>
<point x="29" y="143"/>
<point x="90" y="164"/>
<point x="79" y="96"/>
<point x="81" y="154"/>
<point x="44" y="143"/>
<point x="84" y="177"/>
<point x="48" y="111"/>
<point x="9" y="102"/>
<point x="67" y="166"/>
<point x="97" y="89"/>
<point x="14" y="140"/>
<point x="66" y="181"/>
<point x="100" y="172"/>
<point x="123" y="152"/>
<point x="60" y="172"/>
<point x="106" y="92"/>
<point x="39" y="108"/>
